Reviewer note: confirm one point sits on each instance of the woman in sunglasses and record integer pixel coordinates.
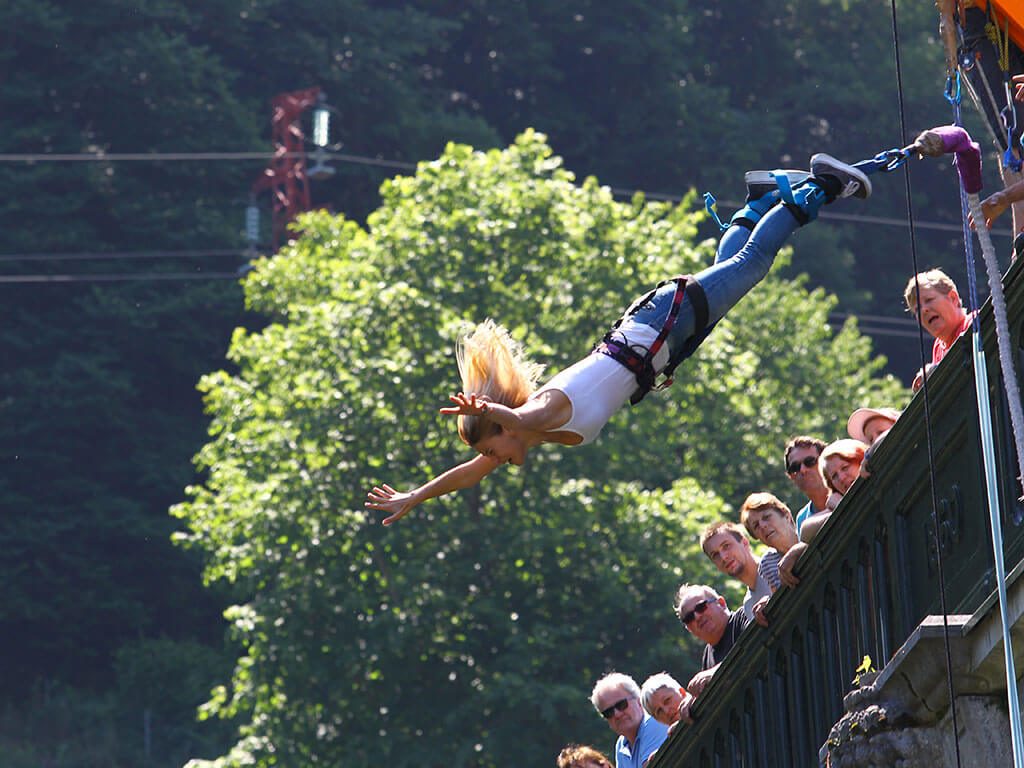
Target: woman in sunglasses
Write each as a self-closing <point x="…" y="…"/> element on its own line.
<point x="502" y="414"/>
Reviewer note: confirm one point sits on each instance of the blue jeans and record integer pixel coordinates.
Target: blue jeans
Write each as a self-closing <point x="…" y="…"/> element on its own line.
<point x="743" y="259"/>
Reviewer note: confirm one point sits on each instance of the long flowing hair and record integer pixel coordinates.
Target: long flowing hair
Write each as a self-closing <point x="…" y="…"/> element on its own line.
<point x="493" y="364"/>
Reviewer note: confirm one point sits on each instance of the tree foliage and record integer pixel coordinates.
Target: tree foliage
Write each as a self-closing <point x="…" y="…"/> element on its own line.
<point x="501" y="605"/>
<point x="97" y="397"/>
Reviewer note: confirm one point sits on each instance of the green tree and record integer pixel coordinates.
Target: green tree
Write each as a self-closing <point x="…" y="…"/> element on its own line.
<point x="499" y="606"/>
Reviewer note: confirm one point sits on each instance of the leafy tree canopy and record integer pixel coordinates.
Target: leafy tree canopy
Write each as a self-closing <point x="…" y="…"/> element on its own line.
<point x="487" y="614"/>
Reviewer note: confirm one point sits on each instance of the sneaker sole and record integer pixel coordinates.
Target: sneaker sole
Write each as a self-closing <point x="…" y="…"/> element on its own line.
<point x="855" y="182"/>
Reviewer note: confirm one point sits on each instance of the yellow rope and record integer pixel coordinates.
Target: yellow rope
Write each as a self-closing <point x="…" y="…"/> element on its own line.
<point x="1000" y="40"/>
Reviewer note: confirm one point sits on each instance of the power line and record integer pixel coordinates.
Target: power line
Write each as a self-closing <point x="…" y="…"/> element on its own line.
<point x="871" y="331"/>
<point x="30" y="158"/>
<point x="878" y="325"/>
<point x="835" y="318"/>
<point x="115" y="255"/>
<point x="121" y="278"/>
<point x="342" y="157"/>
<point x="900" y="320"/>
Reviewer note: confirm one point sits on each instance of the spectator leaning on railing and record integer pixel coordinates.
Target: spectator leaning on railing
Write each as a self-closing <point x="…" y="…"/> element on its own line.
<point x="617" y="698"/>
<point x="839" y="464"/>
<point x="727" y="546"/>
<point x="706" y="616"/>
<point x="801" y="462"/>
<point x="870" y="426"/>
<point x="770" y="521"/>
<point x="941" y="313"/>
<point x="663" y="696"/>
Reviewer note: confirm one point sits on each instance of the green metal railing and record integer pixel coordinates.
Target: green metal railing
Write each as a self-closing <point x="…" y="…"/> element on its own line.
<point x="870" y="576"/>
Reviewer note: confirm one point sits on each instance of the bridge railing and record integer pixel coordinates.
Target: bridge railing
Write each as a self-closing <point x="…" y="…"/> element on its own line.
<point x="871" y="575"/>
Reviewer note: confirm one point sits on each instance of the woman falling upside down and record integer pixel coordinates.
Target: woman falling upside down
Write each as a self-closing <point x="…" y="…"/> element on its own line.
<point x="502" y="414"/>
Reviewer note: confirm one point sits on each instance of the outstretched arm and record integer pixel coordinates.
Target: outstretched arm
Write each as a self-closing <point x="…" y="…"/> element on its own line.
<point x="400" y="503"/>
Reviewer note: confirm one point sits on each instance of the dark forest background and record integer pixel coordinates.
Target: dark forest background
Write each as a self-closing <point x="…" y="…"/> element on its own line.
<point x="111" y="638"/>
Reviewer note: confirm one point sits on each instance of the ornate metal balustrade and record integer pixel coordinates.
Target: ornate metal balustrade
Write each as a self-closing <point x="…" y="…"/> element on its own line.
<point x="871" y="575"/>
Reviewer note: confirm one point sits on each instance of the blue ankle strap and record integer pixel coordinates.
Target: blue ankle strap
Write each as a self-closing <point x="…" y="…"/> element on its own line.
<point x="804" y="201"/>
<point x="785" y="188"/>
<point x="754" y="211"/>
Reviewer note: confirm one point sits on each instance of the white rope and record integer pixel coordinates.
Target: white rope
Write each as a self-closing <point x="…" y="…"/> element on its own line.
<point x="1006" y="362"/>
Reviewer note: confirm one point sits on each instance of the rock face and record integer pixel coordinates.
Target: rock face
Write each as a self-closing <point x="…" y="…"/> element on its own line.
<point x="880" y="732"/>
<point x="901" y="717"/>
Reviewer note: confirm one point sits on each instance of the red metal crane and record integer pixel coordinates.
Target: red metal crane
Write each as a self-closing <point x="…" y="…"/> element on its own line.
<point x="286" y="176"/>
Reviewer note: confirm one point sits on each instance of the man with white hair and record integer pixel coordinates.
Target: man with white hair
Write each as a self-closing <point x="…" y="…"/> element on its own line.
<point x="616" y="697"/>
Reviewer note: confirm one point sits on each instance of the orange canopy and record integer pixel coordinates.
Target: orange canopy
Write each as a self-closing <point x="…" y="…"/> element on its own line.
<point x="1012" y="10"/>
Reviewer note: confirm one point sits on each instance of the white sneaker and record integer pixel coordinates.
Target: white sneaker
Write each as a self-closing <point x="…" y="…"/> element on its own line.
<point x="855" y="183"/>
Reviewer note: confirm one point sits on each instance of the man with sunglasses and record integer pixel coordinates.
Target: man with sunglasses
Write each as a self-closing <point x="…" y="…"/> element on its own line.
<point x="801" y="459"/>
<point x="706" y="616"/>
<point x="616" y="697"/>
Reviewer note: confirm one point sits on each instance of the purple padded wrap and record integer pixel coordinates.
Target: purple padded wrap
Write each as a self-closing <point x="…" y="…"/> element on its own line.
<point x="968" y="155"/>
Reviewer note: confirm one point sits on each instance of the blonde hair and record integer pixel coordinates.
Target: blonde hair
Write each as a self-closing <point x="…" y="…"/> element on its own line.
<point x="847" y="449"/>
<point x="762" y="500"/>
<point x="935" y="279"/>
<point x="493" y="364"/>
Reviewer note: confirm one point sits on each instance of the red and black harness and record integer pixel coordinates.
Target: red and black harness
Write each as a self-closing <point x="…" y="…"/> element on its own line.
<point x="639" y="359"/>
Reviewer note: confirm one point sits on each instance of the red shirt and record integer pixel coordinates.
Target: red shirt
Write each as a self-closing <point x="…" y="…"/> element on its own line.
<point x="940" y="348"/>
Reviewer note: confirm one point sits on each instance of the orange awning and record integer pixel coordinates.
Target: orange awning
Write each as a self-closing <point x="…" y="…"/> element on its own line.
<point x="1012" y="10"/>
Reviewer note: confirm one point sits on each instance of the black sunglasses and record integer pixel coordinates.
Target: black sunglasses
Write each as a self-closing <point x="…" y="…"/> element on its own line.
<point x="618" y="706"/>
<point x="698" y="608"/>
<point x="809" y="461"/>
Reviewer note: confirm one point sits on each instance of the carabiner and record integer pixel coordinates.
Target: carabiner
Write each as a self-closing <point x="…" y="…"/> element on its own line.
<point x="953" y="97"/>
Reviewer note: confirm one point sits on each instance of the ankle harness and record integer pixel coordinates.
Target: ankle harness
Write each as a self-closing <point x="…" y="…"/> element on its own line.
<point x="803" y="201"/>
<point x="640" y="361"/>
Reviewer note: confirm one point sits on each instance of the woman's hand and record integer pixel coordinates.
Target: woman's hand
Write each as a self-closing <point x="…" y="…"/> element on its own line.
<point x="468" y="405"/>
<point x="387" y="499"/>
<point x="786" y="575"/>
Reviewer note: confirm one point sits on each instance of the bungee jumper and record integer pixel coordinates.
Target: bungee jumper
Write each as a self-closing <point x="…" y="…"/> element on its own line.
<point x="502" y="414"/>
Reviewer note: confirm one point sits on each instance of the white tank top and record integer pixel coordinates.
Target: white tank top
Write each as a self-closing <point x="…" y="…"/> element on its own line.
<point x="597" y="386"/>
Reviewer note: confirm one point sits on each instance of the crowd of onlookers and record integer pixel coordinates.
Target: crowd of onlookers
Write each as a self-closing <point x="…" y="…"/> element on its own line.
<point x="642" y="716"/>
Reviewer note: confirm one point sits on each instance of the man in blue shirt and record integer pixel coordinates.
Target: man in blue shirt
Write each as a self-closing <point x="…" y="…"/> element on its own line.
<point x="801" y="459"/>
<point x="617" y="698"/>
